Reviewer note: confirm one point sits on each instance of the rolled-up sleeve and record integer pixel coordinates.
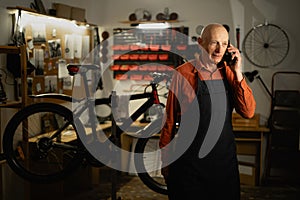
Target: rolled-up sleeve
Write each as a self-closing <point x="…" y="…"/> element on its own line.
<point x="171" y="113"/>
<point x="244" y="101"/>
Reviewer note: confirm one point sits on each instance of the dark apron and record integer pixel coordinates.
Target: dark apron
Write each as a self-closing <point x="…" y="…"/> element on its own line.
<point x="216" y="175"/>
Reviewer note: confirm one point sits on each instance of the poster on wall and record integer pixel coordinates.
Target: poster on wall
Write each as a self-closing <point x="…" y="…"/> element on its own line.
<point x="54" y="48"/>
<point x="77" y="46"/>
<point x="38" y="33"/>
<point x="38" y="85"/>
<point x="50" y="84"/>
<point x="69" y="49"/>
<point x="38" y="55"/>
<point x="30" y="84"/>
<point x="68" y="83"/>
<point x="85" y="46"/>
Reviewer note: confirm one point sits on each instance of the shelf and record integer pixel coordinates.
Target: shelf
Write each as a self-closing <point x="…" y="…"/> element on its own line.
<point x="247" y="140"/>
<point x="9" y="49"/>
<point x="34" y="12"/>
<point x="150" y="21"/>
<point x="21" y="50"/>
<point x="139" y="52"/>
<point x="49" y="38"/>
<point x="11" y="104"/>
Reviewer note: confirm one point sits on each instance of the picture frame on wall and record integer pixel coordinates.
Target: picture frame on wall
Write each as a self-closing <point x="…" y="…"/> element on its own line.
<point x="54" y="48"/>
<point x="38" y="33"/>
<point x="51" y="84"/>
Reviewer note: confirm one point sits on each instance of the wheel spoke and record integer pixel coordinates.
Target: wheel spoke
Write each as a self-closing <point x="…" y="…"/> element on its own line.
<point x="266" y="45"/>
<point x="35" y="145"/>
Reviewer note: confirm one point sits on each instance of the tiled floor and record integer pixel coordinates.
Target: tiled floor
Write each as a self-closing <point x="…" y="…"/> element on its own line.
<point x="285" y="185"/>
<point x="131" y="188"/>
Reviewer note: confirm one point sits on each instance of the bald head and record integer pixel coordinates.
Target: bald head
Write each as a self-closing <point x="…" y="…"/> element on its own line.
<point x="214" y="39"/>
<point x="212" y="29"/>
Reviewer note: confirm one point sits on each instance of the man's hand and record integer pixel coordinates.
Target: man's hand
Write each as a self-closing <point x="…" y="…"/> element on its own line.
<point x="237" y="66"/>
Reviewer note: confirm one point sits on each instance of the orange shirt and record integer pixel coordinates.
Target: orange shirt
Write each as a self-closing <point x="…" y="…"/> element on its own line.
<point x="182" y="93"/>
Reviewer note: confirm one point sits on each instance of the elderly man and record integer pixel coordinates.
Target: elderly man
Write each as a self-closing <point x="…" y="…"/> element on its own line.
<point x="203" y="94"/>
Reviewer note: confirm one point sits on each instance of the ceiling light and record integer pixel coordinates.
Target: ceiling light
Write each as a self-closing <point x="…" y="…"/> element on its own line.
<point x="153" y="25"/>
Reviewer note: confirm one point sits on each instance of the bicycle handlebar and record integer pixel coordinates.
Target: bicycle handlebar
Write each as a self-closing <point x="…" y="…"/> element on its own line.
<point x="158" y="77"/>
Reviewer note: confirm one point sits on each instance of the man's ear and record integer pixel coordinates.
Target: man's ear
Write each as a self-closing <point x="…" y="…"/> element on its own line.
<point x="199" y="40"/>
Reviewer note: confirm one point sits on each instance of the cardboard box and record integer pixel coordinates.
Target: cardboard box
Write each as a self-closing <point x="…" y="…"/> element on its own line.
<point x="78" y="14"/>
<point x="62" y="10"/>
<point x="247" y="148"/>
<point x="248" y="153"/>
<point x="248" y="174"/>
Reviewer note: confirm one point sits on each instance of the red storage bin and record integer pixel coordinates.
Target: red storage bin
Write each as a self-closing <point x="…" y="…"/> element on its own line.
<point x="124" y="57"/>
<point x="143" y="67"/>
<point x="152" y="57"/>
<point x="133" y="67"/>
<point x="121" y="77"/>
<point x="134" y="56"/>
<point x="144" y="47"/>
<point x="116" y="56"/>
<point x="165" y="47"/>
<point x="136" y="77"/>
<point x="170" y="68"/>
<point x="134" y="47"/>
<point x="148" y="77"/>
<point x="152" y="68"/>
<point x="154" y="47"/>
<point x="124" y="47"/>
<point x="124" y="67"/>
<point x="115" y="67"/>
<point x="163" y="56"/>
<point x="143" y="57"/>
<point x="116" y="47"/>
<point x="162" y="68"/>
<point x="181" y="47"/>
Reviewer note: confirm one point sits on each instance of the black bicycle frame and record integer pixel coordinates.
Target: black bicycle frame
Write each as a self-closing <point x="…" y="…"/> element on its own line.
<point x="90" y="103"/>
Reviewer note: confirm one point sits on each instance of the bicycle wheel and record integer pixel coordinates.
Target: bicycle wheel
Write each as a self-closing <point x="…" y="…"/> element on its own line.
<point x="147" y="160"/>
<point x="40" y="143"/>
<point x="266" y="45"/>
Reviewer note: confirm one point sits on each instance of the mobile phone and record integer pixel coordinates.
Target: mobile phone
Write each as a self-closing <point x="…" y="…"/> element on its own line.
<point x="228" y="56"/>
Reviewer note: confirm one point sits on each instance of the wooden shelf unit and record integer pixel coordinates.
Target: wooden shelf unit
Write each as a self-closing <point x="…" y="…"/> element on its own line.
<point x="138" y="52"/>
<point x="48" y="36"/>
<point x="62" y="27"/>
<point x="23" y="62"/>
<point x="34" y="12"/>
<point x="13" y="104"/>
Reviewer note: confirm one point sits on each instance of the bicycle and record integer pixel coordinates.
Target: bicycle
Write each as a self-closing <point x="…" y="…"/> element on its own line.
<point x="44" y="142"/>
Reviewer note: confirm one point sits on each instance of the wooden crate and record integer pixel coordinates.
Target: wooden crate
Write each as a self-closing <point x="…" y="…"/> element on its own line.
<point x="239" y="121"/>
<point x="62" y="10"/>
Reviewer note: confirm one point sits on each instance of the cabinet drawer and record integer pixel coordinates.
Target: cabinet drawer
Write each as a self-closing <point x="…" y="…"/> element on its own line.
<point x="247" y="148"/>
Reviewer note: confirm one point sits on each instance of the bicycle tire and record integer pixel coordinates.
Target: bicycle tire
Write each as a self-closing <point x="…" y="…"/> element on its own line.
<point x="266" y="45"/>
<point x="31" y="153"/>
<point x="146" y="152"/>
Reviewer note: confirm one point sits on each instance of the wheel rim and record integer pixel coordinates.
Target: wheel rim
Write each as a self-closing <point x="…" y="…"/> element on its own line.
<point x="266" y="45"/>
<point x="153" y="180"/>
<point x="36" y="155"/>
